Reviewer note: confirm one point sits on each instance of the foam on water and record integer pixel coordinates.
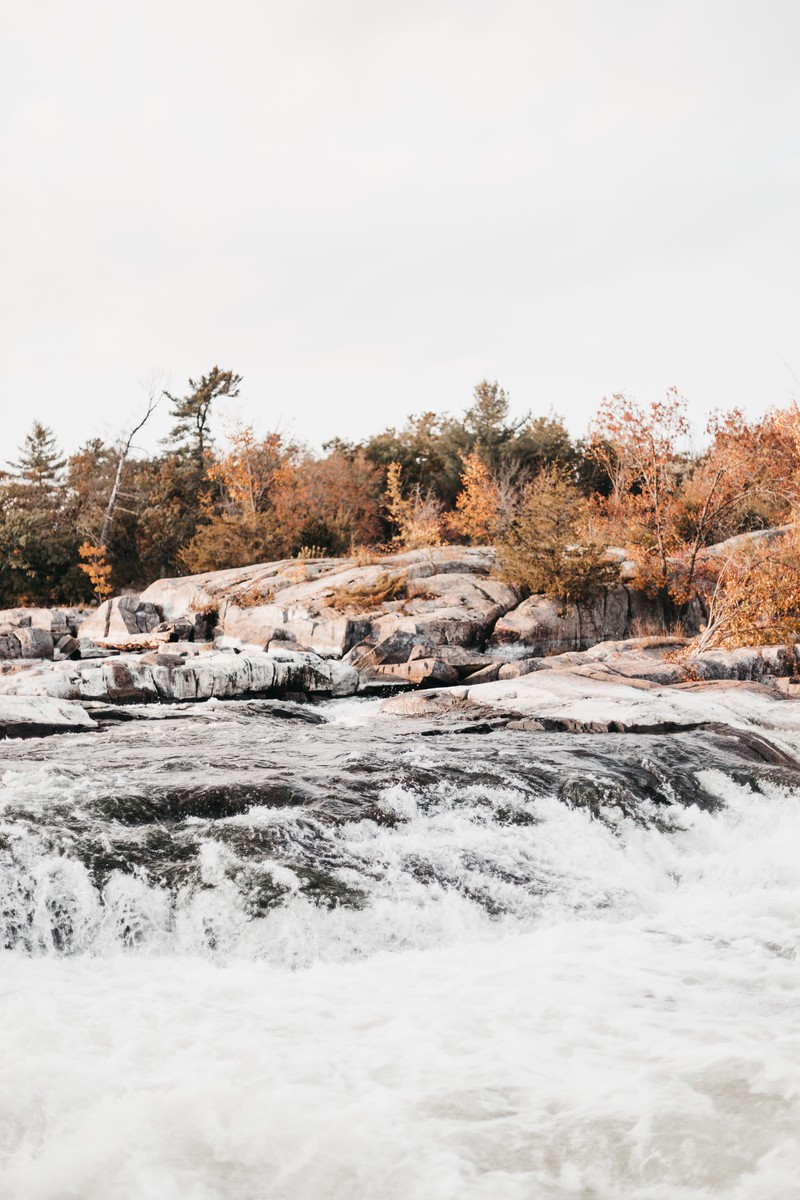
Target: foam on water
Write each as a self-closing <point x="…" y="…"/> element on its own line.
<point x="521" y="1002"/>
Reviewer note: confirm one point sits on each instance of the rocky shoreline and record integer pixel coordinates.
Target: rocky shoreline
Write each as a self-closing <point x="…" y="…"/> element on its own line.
<point x="436" y="626"/>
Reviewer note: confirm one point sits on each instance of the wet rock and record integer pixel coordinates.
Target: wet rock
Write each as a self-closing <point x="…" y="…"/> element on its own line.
<point x="39" y="716"/>
<point x="427" y="703"/>
<point x="465" y="661"/>
<point x="419" y="672"/>
<point x="344" y="679"/>
<point x="402" y="648"/>
<point x="397" y="648"/>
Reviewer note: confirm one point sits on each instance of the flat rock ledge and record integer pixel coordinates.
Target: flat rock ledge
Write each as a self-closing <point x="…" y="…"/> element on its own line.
<point x="165" y="678"/>
<point x="630" y="688"/>
<point x="39" y="716"/>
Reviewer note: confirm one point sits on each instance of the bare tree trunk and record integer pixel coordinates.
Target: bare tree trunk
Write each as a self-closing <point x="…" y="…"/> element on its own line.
<point x="152" y="403"/>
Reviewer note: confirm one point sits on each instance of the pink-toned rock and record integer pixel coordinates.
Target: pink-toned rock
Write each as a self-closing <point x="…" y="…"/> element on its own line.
<point x="420" y="672"/>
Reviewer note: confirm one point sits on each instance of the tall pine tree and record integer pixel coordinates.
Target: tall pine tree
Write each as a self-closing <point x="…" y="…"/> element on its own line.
<point x="190" y="435"/>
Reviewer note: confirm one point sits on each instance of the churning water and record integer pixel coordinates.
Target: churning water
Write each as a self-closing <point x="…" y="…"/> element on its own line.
<point x="251" y="957"/>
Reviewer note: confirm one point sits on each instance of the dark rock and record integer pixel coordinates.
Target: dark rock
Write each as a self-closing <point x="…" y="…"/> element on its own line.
<point x="397" y="648"/>
<point x="35" y="643"/>
<point x="68" y="646"/>
<point x="89" y="649"/>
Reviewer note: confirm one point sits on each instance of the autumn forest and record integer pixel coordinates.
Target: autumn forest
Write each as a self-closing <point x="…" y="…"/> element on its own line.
<point x="567" y="517"/>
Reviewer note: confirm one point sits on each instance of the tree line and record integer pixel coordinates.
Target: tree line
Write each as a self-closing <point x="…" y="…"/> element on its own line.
<point x="76" y="528"/>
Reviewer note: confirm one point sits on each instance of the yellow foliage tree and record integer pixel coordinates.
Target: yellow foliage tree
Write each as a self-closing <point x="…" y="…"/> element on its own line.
<point x="94" y="564"/>
<point x="417" y="517"/>
<point x="250" y="469"/>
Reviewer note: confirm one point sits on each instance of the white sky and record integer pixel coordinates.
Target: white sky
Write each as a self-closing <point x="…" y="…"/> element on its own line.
<point x="365" y="206"/>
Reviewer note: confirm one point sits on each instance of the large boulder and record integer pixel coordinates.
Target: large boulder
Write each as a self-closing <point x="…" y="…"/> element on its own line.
<point x="396" y="655"/>
<point x="26" y="642"/>
<point x="541" y="625"/>
<point x="419" y="672"/>
<point x="123" y="621"/>
<point x="537" y="626"/>
<point x="328" y="606"/>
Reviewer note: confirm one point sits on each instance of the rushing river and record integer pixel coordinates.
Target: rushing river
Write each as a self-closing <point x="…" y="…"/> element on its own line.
<point x="255" y="957"/>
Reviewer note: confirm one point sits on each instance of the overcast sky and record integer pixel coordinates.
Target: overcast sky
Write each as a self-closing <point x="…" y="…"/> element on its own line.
<point x="364" y="207"/>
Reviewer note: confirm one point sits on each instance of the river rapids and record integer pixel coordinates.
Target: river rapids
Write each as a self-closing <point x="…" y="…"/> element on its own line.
<point x="248" y="955"/>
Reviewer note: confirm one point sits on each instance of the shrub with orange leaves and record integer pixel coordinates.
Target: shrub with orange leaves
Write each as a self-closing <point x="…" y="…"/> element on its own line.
<point x="665" y="508"/>
<point x="249" y="469"/>
<point x="756" y="599"/>
<point x="329" y="503"/>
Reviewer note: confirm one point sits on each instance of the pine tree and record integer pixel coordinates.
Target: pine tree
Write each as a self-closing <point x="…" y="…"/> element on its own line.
<point x="190" y="434"/>
<point x="38" y="542"/>
<point x="40" y="462"/>
<point x="548" y="548"/>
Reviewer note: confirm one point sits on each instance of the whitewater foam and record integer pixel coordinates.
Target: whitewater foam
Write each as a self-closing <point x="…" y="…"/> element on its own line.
<point x="510" y="998"/>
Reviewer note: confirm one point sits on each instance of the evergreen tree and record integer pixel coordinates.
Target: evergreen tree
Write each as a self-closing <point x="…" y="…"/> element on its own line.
<point x="486" y="421"/>
<point x="40" y="462"/>
<point x="189" y="436"/>
<point x="38" y="537"/>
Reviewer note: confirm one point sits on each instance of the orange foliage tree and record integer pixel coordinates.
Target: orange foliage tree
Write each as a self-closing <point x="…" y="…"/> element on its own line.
<point x="637" y="449"/>
<point x="250" y="469"/>
<point x="663" y="507"/>
<point x="327" y="505"/>
<point x="477" y="504"/>
<point x="238" y="520"/>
